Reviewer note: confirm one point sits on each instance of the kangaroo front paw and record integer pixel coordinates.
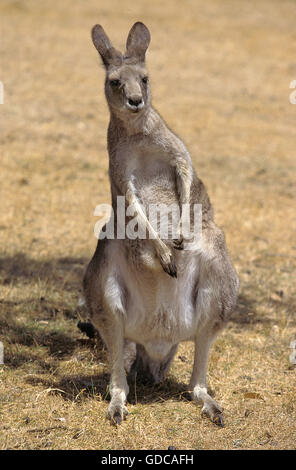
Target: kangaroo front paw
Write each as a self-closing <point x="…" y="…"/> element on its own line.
<point x="168" y="264"/>
<point x="117" y="411"/>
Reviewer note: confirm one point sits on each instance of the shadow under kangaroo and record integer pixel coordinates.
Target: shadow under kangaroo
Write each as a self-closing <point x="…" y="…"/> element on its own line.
<point x="60" y="345"/>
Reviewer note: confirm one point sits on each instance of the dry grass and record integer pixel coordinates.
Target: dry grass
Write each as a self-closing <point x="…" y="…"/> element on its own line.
<point x="220" y="76"/>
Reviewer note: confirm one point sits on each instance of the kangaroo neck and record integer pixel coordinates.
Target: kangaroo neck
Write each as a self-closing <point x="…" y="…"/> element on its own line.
<point x="138" y="123"/>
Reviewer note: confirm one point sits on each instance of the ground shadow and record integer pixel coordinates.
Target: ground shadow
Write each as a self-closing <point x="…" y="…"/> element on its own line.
<point x="62" y="343"/>
<point x="59" y="345"/>
<point x="46" y="321"/>
<point x="20" y="267"/>
<point x="246" y="312"/>
<point x="77" y="387"/>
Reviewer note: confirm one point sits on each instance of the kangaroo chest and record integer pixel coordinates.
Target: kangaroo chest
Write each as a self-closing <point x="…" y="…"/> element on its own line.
<point x="152" y="176"/>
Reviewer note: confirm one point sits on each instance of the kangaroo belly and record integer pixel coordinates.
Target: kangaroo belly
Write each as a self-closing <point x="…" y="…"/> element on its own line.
<point x="161" y="312"/>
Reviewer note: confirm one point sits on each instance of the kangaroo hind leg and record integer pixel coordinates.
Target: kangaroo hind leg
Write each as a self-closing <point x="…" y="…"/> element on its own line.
<point x="108" y="318"/>
<point x="198" y="382"/>
<point x="110" y="326"/>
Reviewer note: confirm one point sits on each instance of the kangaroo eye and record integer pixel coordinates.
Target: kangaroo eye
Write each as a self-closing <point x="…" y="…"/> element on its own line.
<point x="115" y="83"/>
<point x="145" y="80"/>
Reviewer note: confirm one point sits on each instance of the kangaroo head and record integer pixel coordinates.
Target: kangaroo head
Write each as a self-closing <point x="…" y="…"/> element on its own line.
<point x="126" y="85"/>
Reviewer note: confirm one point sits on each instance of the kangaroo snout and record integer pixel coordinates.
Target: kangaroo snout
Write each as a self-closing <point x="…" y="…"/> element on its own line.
<point x="135" y="103"/>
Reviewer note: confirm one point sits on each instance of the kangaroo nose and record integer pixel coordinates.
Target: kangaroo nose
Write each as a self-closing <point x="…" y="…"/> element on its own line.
<point x="135" y="101"/>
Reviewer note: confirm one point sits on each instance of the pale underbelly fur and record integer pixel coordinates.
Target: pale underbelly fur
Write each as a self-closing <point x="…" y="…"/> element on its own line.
<point x="164" y="313"/>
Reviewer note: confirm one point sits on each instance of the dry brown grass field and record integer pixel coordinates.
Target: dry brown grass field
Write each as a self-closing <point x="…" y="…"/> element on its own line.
<point x="220" y="76"/>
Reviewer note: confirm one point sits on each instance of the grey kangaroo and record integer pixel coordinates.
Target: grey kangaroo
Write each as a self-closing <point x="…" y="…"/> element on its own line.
<point x="147" y="295"/>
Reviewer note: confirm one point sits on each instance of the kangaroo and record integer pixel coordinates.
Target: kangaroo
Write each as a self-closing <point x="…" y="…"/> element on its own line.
<point x="145" y="296"/>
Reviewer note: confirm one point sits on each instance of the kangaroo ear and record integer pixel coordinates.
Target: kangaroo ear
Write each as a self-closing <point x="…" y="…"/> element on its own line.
<point x="110" y="56"/>
<point x="138" y="41"/>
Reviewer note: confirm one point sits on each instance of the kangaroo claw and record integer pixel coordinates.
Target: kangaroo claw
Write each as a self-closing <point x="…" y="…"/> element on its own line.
<point x="215" y="415"/>
<point x="170" y="269"/>
<point x="116" y="413"/>
<point x="218" y="420"/>
<point x="117" y="418"/>
<point x="168" y="264"/>
<point x="178" y="244"/>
